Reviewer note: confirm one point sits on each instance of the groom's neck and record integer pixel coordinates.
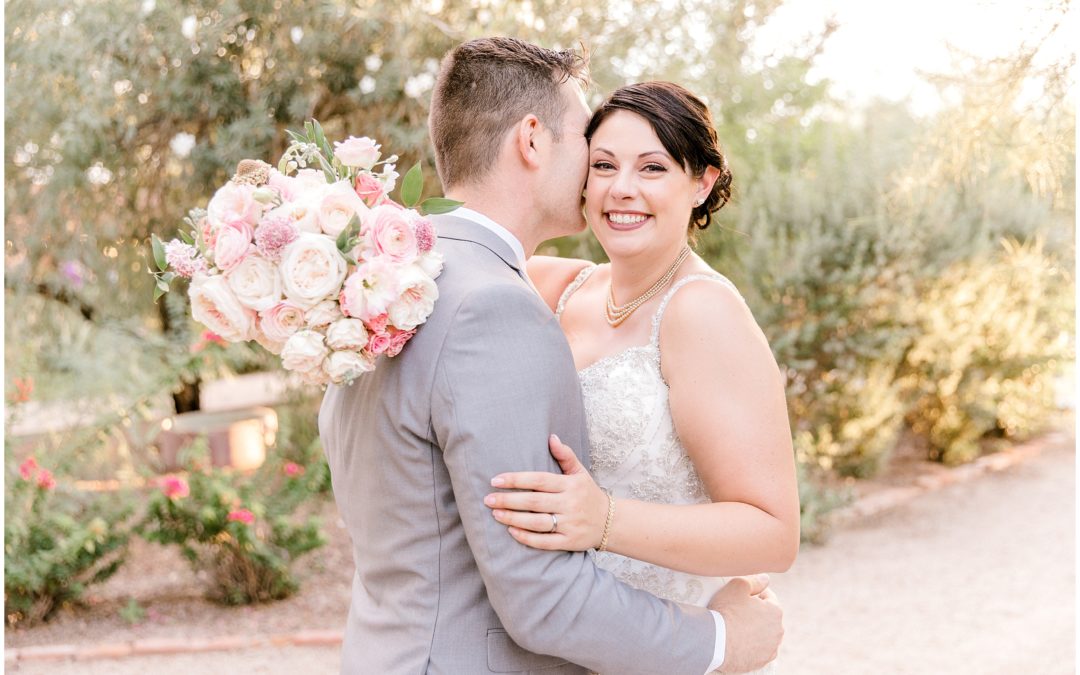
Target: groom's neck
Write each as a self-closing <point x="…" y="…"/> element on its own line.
<point x="504" y="207"/>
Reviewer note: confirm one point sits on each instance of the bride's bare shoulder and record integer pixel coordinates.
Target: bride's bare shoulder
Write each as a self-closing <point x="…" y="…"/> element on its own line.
<point x="551" y="275"/>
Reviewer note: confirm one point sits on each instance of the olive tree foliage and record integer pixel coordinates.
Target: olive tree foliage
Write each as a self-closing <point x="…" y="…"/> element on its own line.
<point x="121" y="115"/>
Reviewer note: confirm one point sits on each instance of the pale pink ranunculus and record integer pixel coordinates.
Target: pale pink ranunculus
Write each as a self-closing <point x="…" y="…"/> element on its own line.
<point x="241" y="516"/>
<point x="416" y="301"/>
<point x="339" y="204"/>
<point x="347" y="365"/>
<point x="323" y="314"/>
<point x="214" y="305"/>
<point x="378" y="343"/>
<point x="233" y="244"/>
<point x="304" y="351"/>
<point x="370" y="289"/>
<point x="272" y="346"/>
<point x="392" y="234"/>
<point x="233" y="203"/>
<point x="256" y="282"/>
<point x="347" y="334"/>
<point x="359" y="153"/>
<point x="369" y="188"/>
<point x="287" y="187"/>
<point x="175" y="487"/>
<point x="312" y="269"/>
<point x="302" y="213"/>
<point x="281" y="321"/>
<point x="398" y="340"/>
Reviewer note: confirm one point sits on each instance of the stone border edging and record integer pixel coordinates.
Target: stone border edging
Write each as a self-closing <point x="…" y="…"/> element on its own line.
<point x="890" y="498"/>
<point x="870" y="505"/>
<point x="151" y="646"/>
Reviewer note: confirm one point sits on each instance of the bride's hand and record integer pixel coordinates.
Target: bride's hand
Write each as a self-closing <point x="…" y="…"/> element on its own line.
<point x="578" y="504"/>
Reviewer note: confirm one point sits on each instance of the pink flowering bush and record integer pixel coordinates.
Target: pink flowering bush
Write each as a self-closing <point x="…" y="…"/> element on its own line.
<point x="57" y="541"/>
<point x="244" y="530"/>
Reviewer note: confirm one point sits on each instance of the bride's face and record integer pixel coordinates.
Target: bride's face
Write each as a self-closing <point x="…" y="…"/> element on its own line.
<point x="638" y="198"/>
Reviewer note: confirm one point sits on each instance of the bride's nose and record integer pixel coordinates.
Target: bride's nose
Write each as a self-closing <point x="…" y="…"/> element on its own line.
<point x="624" y="187"/>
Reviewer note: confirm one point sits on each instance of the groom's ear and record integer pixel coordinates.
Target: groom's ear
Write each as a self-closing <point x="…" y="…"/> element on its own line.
<point x="526" y="136"/>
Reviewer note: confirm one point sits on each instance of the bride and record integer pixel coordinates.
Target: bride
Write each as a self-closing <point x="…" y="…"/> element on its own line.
<point x="685" y="405"/>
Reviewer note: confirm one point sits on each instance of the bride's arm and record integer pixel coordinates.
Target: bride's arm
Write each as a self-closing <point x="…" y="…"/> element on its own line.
<point x="551" y="275"/>
<point x="728" y="406"/>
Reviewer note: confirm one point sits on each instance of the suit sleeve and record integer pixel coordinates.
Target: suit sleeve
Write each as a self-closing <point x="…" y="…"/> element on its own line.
<point x="505" y="380"/>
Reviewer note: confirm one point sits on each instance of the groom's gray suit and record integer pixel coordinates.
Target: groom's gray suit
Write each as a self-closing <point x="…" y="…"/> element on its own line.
<point x="440" y="586"/>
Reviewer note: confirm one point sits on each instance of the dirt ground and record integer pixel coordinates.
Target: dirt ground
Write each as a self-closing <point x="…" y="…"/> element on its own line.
<point x="978" y="577"/>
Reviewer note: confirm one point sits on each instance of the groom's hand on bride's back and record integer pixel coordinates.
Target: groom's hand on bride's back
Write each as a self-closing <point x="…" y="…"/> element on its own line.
<point x="753" y="620"/>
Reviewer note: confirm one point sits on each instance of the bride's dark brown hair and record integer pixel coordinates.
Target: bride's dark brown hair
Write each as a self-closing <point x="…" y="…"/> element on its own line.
<point x="684" y="126"/>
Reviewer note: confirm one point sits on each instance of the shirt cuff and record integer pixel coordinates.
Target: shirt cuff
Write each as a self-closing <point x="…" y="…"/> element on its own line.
<point x="721" y="642"/>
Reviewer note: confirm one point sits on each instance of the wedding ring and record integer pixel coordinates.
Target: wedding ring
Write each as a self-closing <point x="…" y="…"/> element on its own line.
<point x="554" y="523"/>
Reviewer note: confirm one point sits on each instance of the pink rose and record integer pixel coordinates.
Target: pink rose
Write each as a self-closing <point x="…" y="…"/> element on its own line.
<point x="175" y="487"/>
<point x="369" y="290"/>
<point x="378" y="343"/>
<point x="377" y="324"/>
<point x="292" y="469"/>
<point x="233" y="203"/>
<point x="280" y="321"/>
<point x="45" y="480"/>
<point x="28" y="468"/>
<point x="398" y="340"/>
<point x="392" y="234"/>
<point x="233" y="245"/>
<point x="361" y="153"/>
<point x="241" y="516"/>
<point x="369" y="188"/>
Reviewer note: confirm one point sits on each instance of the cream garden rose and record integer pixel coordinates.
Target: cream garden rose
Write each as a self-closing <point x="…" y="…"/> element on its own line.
<point x="415" y="301"/>
<point x="339" y="204"/>
<point x="323" y="314"/>
<point x="304" y="351"/>
<point x="256" y="282"/>
<point x="347" y="334"/>
<point x="312" y="268"/>
<point x="360" y="153"/>
<point x="345" y="366"/>
<point x="214" y="305"/>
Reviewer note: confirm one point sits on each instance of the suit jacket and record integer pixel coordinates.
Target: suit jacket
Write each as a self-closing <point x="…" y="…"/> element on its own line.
<point x="440" y="586"/>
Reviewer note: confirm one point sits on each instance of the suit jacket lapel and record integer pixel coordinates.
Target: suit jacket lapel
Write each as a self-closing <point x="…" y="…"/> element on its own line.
<point x="452" y="227"/>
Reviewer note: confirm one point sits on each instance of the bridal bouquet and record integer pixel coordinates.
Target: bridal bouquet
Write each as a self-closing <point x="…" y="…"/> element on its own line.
<point x="312" y="259"/>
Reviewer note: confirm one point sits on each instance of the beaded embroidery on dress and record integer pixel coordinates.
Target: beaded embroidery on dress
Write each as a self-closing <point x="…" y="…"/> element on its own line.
<point x="635" y="450"/>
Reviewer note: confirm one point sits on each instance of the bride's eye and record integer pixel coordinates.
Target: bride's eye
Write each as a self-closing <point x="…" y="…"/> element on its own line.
<point x="655" y="168"/>
<point x="601" y="165"/>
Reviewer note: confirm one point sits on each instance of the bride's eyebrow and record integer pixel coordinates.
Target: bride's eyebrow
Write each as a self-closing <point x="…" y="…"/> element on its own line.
<point x="644" y="154"/>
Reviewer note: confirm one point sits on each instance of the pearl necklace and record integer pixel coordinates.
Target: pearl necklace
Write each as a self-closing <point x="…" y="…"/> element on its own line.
<point x="616" y="314"/>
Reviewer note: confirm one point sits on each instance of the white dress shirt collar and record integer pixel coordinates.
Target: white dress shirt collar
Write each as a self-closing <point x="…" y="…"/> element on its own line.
<point x="503" y="233"/>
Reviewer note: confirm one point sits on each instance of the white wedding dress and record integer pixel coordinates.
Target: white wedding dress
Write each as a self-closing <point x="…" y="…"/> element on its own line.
<point x="635" y="450"/>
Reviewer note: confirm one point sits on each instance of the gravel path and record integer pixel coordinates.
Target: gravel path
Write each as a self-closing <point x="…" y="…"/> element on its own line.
<point x="976" y="578"/>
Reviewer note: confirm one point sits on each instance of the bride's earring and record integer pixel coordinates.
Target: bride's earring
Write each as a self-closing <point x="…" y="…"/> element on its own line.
<point x="699" y="201"/>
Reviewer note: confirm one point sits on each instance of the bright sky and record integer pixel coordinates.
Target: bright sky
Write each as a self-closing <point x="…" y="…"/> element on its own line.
<point x="880" y="45"/>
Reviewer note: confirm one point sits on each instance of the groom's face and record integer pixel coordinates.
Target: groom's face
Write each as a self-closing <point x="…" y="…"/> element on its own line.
<point x="568" y="166"/>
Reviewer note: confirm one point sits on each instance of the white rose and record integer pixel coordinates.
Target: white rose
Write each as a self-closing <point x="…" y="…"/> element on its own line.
<point x="346" y="365"/>
<point x="303" y="214"/>
<point x="312" y="269"/>
<point x="431" y="263"/>
<point x="348" y="334"/>
<point x="304" y="351"/>
<point x="256" y="283"/>
<point x="339" y="204"/>
<point x="309" y="179"/>
<point x="214" y="305"/>
<point x="323" y="314"/>
<point x="417" y="300"/>
<point x="361" y="153"/>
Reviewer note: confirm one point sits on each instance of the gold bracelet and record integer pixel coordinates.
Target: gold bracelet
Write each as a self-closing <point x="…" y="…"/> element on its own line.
<point x="607" y="524"/>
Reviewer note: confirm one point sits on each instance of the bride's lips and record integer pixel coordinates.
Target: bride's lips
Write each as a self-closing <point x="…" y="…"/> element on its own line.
<point x="636" y="219"/>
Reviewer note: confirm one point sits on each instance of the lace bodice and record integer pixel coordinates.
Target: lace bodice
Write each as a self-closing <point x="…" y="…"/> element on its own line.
<point x="635" y="450"/>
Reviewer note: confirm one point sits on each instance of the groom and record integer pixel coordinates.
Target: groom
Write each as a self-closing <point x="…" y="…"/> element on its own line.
<point x="440" y="586"/>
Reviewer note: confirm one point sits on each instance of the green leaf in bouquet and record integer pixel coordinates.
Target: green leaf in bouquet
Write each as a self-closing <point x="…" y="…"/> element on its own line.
<point x="320" y="139"/>
<point x="310" y="129"/>
<point x="435" y="205"/>
<point x="412" y="186"/>
<point x="352" y="228"/>
<point x="159" y="252"/>
<point x="296" y="136"/>
<point x="187" y="238"/>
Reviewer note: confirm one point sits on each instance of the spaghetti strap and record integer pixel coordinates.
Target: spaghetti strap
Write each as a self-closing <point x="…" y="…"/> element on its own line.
<point x="654" y="339"/>
<point x="574" y="285"/>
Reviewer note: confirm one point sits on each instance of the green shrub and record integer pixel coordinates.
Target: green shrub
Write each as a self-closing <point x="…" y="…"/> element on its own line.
<point x="298" y="439"/>
<point x="56" y="542"/>
<point x="817" y="499"/>
<point x="993" y="335"/>
<point x="243" y="530"/>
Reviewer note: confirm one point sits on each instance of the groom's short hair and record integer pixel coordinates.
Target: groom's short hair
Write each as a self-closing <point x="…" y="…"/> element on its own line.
<point x="484" y="87"/>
